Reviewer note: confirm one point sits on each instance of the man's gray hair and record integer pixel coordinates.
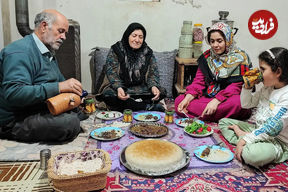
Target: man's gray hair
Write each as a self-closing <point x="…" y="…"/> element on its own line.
<point x="49" y="18"/>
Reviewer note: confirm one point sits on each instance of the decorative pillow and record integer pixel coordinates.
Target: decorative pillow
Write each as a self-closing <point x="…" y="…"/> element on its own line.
<point x="97" y="61"/>
<point x="166" y="63"/>
<point x="165" y="60"/>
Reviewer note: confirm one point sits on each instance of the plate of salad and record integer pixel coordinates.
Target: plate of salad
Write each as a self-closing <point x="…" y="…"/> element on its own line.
<point x="198" y="129"/>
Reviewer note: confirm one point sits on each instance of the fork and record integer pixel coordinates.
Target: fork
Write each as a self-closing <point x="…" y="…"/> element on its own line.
<point x="152" y="105"/>
<point x="220" y="144"/>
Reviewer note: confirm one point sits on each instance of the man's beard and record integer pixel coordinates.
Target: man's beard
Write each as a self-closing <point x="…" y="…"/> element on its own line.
<point x="51" y="44"/>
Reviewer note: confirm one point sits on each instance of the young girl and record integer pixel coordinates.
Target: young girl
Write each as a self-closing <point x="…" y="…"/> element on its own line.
<point x="267" y="140"/>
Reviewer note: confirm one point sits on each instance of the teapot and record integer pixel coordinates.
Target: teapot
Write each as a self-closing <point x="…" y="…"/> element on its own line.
<point x="223" y="18"/>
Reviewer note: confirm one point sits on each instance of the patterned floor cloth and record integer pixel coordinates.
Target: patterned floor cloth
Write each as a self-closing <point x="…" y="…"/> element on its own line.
<point x="176" y="135"/>
<point x="26" y="177"/>
<point x="198" y="176"/>
<point x="23" y="176"/>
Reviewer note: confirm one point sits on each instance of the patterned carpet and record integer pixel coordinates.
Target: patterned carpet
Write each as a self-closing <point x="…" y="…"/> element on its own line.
<point x="198" y="176"/>
<point x="27" y="176"/>
<point x="23" y="177"/>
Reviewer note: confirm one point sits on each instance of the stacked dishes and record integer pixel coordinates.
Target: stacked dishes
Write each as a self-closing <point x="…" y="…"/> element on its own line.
<point x="185" y="40"/>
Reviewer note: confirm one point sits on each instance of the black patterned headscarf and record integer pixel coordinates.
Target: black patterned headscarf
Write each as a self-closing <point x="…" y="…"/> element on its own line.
<point x="134" y="59"/>
<point x="125" y="38"/>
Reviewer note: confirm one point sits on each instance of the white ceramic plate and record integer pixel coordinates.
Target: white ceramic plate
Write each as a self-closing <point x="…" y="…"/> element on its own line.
<point x="217" y="154"/>
<point x="96" y="133"/>
<point x="142" y="116"/>
<point x="199" y="135"/>
<point x="181" y="122"/>
<point x="109" y="115"/>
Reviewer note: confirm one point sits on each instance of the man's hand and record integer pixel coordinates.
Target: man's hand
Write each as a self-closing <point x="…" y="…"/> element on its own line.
<point x="121" y="94"/>
<point x="156" y="93"/>
<point x="211" y="107"/>
<point x="71" y="86"/>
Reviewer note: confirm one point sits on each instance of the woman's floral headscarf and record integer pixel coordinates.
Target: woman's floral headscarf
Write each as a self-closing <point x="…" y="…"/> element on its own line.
<point x="226" y="64"/>
<point x="227" y="31"/>
<point x="227" y="67"/>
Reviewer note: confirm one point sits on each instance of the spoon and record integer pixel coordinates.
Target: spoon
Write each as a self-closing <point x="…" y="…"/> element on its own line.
<point x="185" y="114"/>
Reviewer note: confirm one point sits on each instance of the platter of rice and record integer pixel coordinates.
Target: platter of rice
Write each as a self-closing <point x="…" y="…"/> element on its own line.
<point x="154" y="157"/>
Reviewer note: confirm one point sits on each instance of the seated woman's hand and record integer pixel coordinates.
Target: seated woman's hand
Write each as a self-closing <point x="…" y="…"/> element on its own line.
<point x="211" y="107"/>
<point x="185" y="102"/>
<point x="155" y="92"/>
<point x="121" y="94"/>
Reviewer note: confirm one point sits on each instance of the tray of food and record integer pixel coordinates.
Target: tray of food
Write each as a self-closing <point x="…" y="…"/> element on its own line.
<point x="107" y="133"/>
<point x="148" y="129"/>
<point x="214" y="154"/>
<point x="183" y="122"/>
<point x="198" y="129"/>
<point x="147" y="116"/>
<point x="154" y="157"/>
<point x="109" y="115"/>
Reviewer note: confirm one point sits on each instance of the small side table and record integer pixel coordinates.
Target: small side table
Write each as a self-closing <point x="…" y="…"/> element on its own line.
<point x="186" y="71"/>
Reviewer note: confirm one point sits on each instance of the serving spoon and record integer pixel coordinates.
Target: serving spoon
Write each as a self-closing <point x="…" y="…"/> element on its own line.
<point x="185" y="114"/>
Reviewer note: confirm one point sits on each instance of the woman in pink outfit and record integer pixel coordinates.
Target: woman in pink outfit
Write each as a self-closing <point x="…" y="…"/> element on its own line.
<point x="215" y="90"/>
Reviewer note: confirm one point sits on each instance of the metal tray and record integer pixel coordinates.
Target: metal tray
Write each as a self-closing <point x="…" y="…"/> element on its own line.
<point x="148" y="123"/>
<point x="140" y="172"/>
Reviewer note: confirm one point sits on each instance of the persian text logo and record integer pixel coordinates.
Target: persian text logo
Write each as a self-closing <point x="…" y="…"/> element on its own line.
<point x="262" y="24"/>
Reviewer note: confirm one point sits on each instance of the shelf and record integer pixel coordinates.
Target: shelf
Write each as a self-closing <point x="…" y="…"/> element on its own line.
<point x="179" y="90"/>
<point x="182" y="61"/>
<point x="186" y="71"/>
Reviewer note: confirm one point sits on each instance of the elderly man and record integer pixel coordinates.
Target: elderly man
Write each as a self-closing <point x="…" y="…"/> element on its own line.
<point x="29" y="74"/>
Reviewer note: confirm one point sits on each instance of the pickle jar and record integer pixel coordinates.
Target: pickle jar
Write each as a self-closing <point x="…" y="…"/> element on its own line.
<point x="89" y="105"/>
<point x="127" y="116"/>
<point x="169" y="116"/>
<point x="198" y="37"/>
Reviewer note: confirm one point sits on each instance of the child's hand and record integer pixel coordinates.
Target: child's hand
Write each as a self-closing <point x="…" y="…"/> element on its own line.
<point x="237" y="130"/>
<point x="252" y="78"/>
<point x="239" y="149"/>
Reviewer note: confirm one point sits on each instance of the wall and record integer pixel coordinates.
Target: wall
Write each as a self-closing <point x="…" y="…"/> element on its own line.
<point x="1" y="31"/>
<point x="102" y="22"/>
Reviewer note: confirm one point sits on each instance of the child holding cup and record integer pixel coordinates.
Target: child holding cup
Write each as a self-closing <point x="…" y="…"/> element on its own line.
<point x="266" y="141"/>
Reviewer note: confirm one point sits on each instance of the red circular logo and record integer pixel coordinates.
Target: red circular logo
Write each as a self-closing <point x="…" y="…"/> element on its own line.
<point x="263" y="24"/>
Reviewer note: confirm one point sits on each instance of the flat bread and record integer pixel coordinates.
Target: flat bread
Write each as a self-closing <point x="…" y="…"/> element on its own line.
<point x="154" y="155"/>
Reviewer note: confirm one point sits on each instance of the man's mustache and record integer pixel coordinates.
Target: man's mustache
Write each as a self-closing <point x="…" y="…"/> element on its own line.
<point x="60" y="41"/>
